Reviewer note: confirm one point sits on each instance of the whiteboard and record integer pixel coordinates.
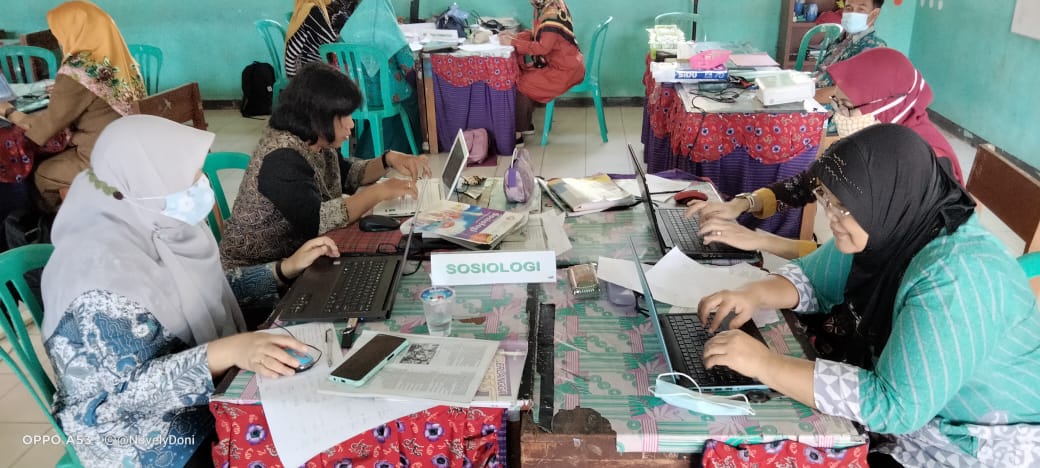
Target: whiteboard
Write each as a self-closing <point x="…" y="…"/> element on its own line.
<point x="1027" y="19"/>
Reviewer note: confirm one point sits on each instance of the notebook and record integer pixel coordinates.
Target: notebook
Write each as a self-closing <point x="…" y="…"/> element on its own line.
<point x="683" y="338"/>
<point x="335" y="289"/>
<point x="673" y="229"/>
<point x="431" y="190"/>
<point x="25" y="104"/>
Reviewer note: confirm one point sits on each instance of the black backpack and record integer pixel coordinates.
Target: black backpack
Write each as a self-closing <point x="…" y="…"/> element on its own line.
<point x="257" y="89"/>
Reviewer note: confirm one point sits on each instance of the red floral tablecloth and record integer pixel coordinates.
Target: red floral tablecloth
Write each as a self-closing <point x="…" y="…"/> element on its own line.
<point x="17" y="152"/>
<point x="500" y="73"/>
<point x="440" y="437"/>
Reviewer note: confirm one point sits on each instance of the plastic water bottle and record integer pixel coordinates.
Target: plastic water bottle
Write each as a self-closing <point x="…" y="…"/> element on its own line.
<point x="811" y="12"/>
<point x="799" y="7"/>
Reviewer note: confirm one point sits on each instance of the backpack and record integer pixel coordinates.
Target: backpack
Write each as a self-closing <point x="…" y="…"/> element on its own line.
<point x="257" y="89"/>
<point x="453" y="19"/>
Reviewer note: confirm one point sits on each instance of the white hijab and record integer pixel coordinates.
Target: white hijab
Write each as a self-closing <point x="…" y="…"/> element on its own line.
<point x="128" y="247"/>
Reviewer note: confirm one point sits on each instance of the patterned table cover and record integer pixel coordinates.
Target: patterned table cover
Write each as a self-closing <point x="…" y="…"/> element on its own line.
<point x="475" y="91"/>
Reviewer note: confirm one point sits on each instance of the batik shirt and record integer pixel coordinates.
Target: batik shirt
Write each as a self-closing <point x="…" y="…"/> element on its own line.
<point x="959" y="379"/>
<point x="845" y="49"/>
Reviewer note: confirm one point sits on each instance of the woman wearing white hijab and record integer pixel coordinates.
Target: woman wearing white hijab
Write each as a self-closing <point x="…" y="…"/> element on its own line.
<point x="139" y="319"/>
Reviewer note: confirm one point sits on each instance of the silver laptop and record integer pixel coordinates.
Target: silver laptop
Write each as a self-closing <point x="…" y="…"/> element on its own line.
<point x="24" y="104"/>
<point x="431" y="190"/>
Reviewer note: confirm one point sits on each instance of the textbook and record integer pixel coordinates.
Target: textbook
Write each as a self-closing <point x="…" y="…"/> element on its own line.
<point x="501" y="385"/>
<point x="719" y="73"/>
<point x="588" y="194"/>
<point x="470" y="226"/>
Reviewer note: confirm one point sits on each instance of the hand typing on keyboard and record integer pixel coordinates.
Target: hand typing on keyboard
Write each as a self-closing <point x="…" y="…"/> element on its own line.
<point x="737" y="351"/>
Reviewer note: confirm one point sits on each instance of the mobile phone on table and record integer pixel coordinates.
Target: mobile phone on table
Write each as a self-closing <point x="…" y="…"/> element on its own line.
<point x="367" y="360"/>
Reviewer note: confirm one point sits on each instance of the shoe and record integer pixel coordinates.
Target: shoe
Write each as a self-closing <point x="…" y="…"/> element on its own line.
<point x="519" y="142"/>
<point x="529" y="131"/>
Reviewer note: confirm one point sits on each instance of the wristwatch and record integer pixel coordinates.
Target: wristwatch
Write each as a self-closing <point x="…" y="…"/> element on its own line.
<point x="386" y="163"/>
<point x="750" y="200"/>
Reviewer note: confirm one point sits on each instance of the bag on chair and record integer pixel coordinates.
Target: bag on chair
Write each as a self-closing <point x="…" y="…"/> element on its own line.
<point x="477" y="143"/>
<point x="519" y="181"/>
<point x="257" y="89"/>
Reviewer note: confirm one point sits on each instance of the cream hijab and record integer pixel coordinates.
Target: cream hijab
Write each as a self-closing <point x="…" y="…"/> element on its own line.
<point x="120" y="242"/>
<point x="95" y="53"/>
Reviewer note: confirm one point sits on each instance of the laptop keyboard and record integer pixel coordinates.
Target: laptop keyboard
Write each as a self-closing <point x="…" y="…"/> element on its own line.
<point x="356" y="291"/>
<point x="690" y="337"/>
<point x="683" y="232"/>
<point x="429" y="191"/>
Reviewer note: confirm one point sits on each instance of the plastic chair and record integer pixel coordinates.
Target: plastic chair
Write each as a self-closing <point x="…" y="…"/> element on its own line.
<point x="14" y="264"/>
<point x="1030" y="262"/>
<point x="273" y="34"/>
<point x="349" y="58"/>
<point x="16" y="61"/>
<point x="216" y="162"/>
<point x="590" y="84"/>
<point x="685" y="21"/>
<point x="150" y="59"/>
<point x="830" y="33"/>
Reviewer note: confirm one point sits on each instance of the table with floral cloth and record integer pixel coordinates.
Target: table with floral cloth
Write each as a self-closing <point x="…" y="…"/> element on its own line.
<point x="605" y="357"/>
<point x="739" y="150"/>
<point x="474" y="90"/>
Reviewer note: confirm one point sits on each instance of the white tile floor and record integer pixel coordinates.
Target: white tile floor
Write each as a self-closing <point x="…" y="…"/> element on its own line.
<point x="575" y="149"/>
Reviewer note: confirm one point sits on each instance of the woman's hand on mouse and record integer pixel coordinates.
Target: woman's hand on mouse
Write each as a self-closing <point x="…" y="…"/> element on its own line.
<point x="307" y="254"/>
<point x="263" y="353"/>
<point x="408" y="165"/>
<point x="396" y="188"/>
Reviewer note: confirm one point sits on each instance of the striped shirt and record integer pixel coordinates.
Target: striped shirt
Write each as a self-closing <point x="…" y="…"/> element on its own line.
<point x="960" y="374"/>
<point x="302" y="47"/>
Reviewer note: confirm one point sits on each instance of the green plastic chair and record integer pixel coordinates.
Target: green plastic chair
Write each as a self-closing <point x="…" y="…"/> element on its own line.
<point x="14" y="264"/>
<point x="590" y="84"/>
<point x="349" y="59"/>
<point x="216" y="162"/>
<point x="273" y="34"/>
<point x="1030" y="262"/>
<point x="150" y="59"/>
<point x="683" y="20"/>
<point x="16" y="63"/>
<point x="830" y="32"/>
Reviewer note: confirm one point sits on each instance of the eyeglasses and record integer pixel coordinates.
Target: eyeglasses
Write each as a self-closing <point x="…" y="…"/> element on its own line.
<point x="845" y="106"/>
<point x="828" y="204"/>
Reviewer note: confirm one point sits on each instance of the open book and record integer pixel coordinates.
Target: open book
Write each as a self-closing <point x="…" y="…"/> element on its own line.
<point x="470" y="226"/>
<point x="588" y="194"/>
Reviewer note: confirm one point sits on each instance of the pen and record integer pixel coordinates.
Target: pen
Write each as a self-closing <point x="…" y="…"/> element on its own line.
<point x="328" y="346"/>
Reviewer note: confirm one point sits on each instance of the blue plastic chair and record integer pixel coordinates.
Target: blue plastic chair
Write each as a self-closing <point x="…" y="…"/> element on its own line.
<point x="14" y="264"/>
<point x="830" y="32"/>
<point x="590" y="84"/>
<point x="216" y="162"/>
<point x="150" y="59"/>
<point x="349" y="58"/>
<point x="273" y="34"/>
<point x="683" y="20"/>
<point x="16" y="63"/>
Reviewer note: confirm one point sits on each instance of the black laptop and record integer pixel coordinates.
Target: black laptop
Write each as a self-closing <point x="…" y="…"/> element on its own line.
<point x="335" y="289"/>
<point x="683" y="338"/>
<point x="673" y="229"/>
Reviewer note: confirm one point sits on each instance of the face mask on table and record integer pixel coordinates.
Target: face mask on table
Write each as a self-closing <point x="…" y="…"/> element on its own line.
<point x="697" y="401"/>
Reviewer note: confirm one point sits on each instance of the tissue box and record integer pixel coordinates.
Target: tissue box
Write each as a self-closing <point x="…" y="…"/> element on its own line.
<point x="784" y="87"/>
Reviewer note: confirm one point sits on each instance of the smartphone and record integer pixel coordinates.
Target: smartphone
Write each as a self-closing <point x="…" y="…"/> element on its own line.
<point x="371" y="357"/>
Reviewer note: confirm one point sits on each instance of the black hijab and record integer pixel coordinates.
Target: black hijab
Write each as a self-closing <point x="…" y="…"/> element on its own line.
<point x="895" y="188"/>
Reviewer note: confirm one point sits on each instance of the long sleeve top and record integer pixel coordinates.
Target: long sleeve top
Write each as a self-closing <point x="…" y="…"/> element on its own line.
<point x="129" y="393"/>
<point x="845" y="49"/>
<point x="960" y="375"/>
<point x="71" y="106"/>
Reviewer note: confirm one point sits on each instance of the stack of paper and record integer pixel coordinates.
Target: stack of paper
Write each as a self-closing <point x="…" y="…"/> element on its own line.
<point x="587" y="194"/>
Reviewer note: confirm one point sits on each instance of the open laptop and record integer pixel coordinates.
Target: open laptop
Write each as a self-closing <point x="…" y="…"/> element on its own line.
<point x="683" y="338"/>
<point x="333" y="289"/>
<point x="431" y="190"/>
<point x="673" y="229"/>
<point x="25" y="104"/>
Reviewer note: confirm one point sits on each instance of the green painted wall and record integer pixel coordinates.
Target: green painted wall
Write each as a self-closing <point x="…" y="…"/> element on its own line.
<point x="983" y="75"/>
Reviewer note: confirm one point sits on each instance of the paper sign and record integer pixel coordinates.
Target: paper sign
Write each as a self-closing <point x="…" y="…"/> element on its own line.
<point x="451" y="269"/>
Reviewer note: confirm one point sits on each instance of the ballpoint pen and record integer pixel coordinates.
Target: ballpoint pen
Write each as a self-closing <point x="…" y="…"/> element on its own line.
<point x="328" y="346"/>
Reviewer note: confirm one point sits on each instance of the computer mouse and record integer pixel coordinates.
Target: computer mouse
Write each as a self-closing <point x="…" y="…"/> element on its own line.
<point x="684" y="197"/>
<point x="306" y="360"/>
<point x="377" y="223"/>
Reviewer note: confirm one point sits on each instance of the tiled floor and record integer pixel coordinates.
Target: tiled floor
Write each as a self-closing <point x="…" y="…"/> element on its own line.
<point x="575" y="149"/>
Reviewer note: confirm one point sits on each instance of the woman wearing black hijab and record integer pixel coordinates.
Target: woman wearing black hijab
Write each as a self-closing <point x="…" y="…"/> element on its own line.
<point x="933" y="331"/>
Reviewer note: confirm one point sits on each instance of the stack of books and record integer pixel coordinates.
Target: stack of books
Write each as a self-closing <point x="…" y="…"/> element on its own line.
<point x="587" y="194"/>
<point x="470" y="226"/>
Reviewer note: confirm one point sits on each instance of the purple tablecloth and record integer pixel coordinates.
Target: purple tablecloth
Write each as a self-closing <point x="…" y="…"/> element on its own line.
<point x="475" y="106"/>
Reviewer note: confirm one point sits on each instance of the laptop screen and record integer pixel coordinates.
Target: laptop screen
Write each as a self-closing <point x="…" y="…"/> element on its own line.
<point x="454" y="165"/>
<point x="6" y="93"/>
<point x="651" y="308"/>
<point x="645" y="189"/>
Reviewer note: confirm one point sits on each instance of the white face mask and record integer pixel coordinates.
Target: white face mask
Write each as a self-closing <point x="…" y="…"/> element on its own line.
<point x="190" y="205"/>
<point x="698" y="402"/>
<point x="848" y="125"/>
<point x="854" y="23"/>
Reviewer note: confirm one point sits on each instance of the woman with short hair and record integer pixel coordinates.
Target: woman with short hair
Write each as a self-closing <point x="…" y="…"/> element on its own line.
<point x="293" y="187"/>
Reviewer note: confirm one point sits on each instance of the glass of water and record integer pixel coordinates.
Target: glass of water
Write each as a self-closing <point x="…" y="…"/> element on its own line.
<point x="438" y="307"/>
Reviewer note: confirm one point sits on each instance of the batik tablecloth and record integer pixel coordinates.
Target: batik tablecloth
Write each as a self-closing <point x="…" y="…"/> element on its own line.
<point x="475" y="91"/>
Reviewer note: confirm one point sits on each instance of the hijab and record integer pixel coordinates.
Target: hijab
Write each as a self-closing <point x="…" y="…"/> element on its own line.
<point x="889" y="179"/>
<point x="110" y="234"/>
<point x="554" y="16"/>
<point x="334" y="11"/>
<point x="374" y="23"/>
<point x="95" y="54"/>
<point x="887" y="76"/>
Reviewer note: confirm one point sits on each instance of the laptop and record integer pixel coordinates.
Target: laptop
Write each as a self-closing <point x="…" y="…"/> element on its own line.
<point x="431" y="190"/>
<point x="673" y="229"/>
<point x="335" y="289"/>
<point x="24" y="104"/>
<point x="683" y="338"/>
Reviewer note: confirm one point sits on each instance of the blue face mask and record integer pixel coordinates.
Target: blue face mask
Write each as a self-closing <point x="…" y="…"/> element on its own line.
<point x="698" y="402"/>
<point x="854" y="23"/>
<point x="191" y="205"/>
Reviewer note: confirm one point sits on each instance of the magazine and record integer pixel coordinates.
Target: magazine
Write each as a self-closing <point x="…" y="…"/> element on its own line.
<point x="501" y="385"/>
<point x="470" y="226"/>
<point x="589" y="194"/>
